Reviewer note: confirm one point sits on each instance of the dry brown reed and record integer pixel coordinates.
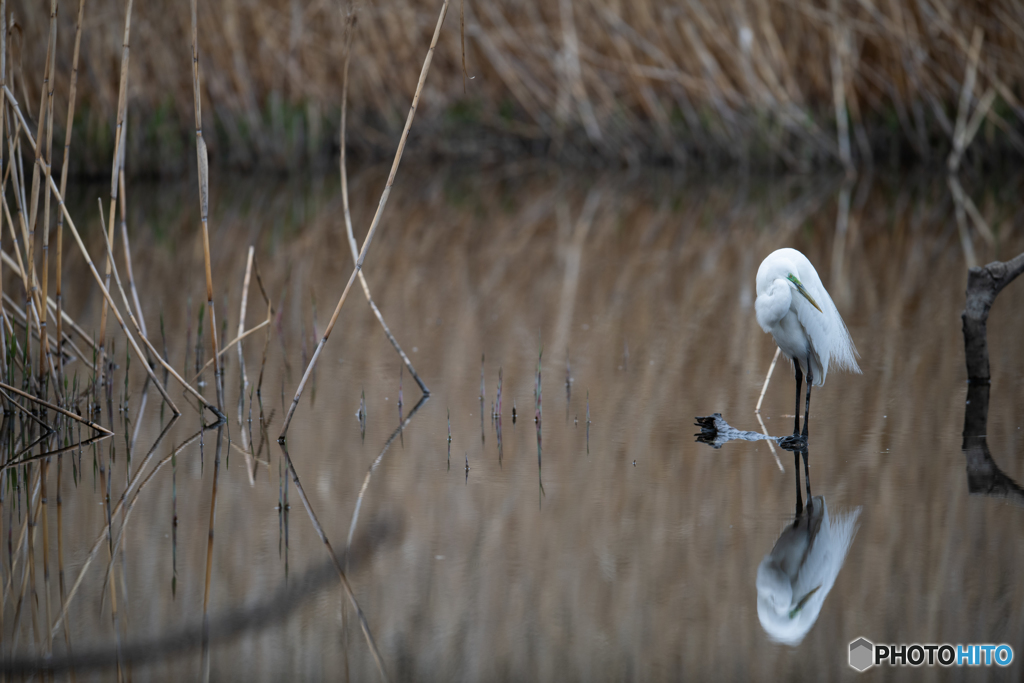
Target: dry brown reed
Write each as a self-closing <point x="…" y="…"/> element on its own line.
<point x="119" y="140"/>
<point x="425" y="69"/>
<point x="243" y="380"/>
<point x="792" y="80"/>
<point x="55" y="408"/>
<point x="353" y="247"/>
<point x="135" y="323"/>
<point x="68" y="128"/>
<point x="203" y="165"/>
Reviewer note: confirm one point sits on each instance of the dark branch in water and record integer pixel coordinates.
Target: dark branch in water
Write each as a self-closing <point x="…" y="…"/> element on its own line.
<point x="983" y="475"/>
<point x="716" y="432"/>
<point x="983" y="284"/>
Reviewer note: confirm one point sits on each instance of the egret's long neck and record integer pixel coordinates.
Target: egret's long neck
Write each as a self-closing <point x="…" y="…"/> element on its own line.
<point x="773" y="304"/>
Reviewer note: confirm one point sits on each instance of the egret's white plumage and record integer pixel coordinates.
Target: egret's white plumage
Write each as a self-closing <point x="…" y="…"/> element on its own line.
<point x="794" y="307"/>
<point x="793" y="580"/>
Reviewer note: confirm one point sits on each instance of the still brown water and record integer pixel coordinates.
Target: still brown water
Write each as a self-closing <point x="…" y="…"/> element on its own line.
<point x="626" y="551"/>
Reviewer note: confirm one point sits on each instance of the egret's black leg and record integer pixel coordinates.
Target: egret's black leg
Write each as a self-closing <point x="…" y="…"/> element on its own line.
<point x="796" y="468"/>
<point x="799" y="385"/>
<point x="807" y="476"/>
<point x="807" y="406"/>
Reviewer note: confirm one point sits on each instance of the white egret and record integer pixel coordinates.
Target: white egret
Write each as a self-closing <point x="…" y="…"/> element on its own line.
<point x="794" y="307"/>
<point x="794" y="579"/>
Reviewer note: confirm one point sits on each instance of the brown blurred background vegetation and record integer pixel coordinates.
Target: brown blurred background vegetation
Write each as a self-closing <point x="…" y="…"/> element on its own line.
<point x="757" y="82"/>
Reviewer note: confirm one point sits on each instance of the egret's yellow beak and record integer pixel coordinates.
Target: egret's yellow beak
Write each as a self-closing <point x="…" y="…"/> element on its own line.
<point x="800" y="288"/>
<point x="796" y="610"/>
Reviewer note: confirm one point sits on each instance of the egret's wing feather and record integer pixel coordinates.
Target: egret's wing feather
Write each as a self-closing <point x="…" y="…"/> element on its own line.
<point x="830" y="340"/>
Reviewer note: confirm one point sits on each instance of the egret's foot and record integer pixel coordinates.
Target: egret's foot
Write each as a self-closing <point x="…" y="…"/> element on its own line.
<point x="793" y="442"/>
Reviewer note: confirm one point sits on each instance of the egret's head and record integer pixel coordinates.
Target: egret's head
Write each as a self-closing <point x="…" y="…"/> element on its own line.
<point x="783" y="266"/>
<point x="795" y="281"/>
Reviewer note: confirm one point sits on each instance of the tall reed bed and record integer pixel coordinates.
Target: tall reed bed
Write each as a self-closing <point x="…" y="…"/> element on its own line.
<point x="41" y="410"/>
<point x="800" y="82"/>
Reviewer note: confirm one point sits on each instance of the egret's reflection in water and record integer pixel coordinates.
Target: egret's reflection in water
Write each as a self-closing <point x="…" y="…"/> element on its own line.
<point x="794" y="579"/>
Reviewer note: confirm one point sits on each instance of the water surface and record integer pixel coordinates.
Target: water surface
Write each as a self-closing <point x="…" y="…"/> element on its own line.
<point x="618" y="550"/>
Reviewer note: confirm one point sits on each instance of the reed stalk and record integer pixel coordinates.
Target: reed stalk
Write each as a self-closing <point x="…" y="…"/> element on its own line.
<point x="203" y="163"/>
<point x="44" y="347"/>
<point x="243" y="380"/>
<point x="120" y="133"/>
<point x="56" y="408"/>
<point x="131" y="316"/>
<point x="227" y="347"/>
<point x="353" y="247"/>
<point x="106" y="293"/>
<point x="128" y="253"/>
<point x="3" y="191"/>
<point x="68" y="127"/>
<point x="373" y="225"/>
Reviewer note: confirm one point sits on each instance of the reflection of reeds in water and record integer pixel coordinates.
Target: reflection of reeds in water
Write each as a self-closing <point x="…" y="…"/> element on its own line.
<point x="588" y="421"/>
<point x="568" y="386"/>
<point x="401" y="432"/>
<point x="482" y="394"/>
<point x="655" y="283"/>
<point x="497" y="418"/>
<point x="362" y="417"/>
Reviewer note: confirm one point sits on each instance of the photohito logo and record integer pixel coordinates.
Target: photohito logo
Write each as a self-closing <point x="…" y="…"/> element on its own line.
<point x="864" y="654"/>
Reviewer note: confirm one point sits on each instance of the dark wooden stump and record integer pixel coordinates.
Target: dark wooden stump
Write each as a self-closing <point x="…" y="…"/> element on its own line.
<point x="983" y="284"/>
<point x="983" y="475"/>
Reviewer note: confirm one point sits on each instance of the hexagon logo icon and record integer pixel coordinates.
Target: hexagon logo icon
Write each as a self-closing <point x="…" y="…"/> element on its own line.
<point x="861" y="654"/>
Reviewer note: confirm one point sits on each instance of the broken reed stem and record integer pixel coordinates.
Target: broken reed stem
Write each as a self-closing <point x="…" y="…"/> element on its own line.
<point x="160" y="359"/>
<point x="242" y="379"/>
<point x="128" y="253"/>
<point x="203" y="163"/>
<point x="353" y="247"/>
<point x="337" y="565"/>
<point x="227" y="347"/>
<point x="771" y="368"/>
<point x="63" y="187"/>
<point x="373" y="225"/>
<point x="26" y="412"/>
<point x="62" y="411"/>
<point x="769" y="441"/>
